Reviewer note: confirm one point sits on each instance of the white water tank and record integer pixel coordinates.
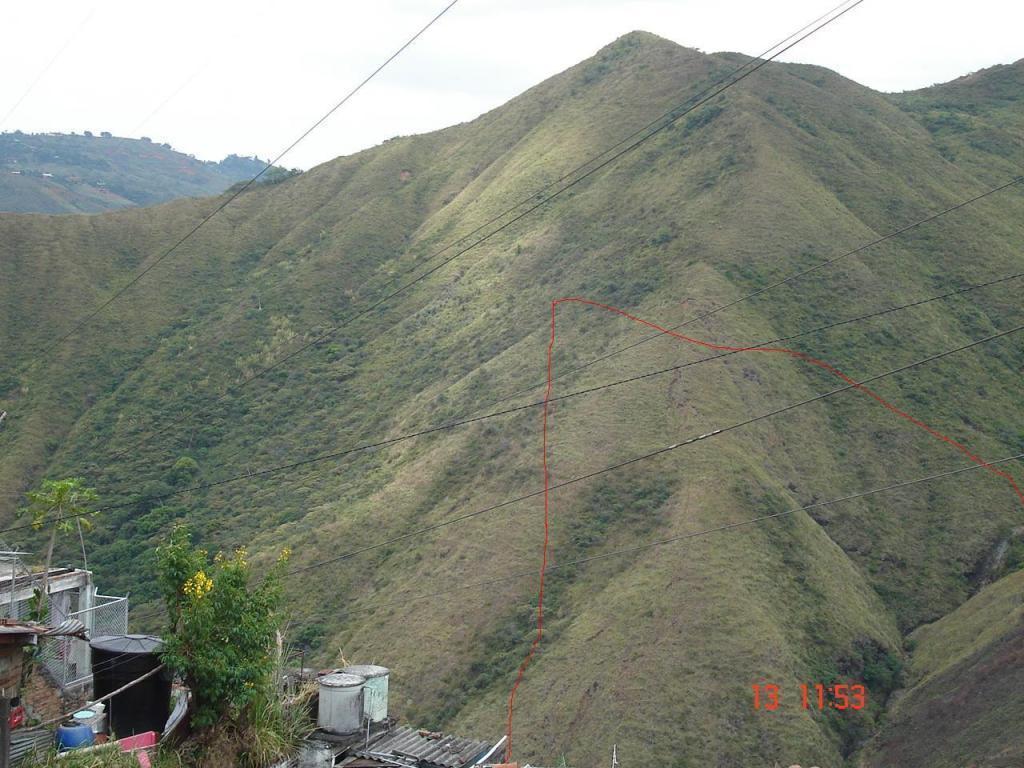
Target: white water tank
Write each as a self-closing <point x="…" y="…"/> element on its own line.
<point x="341" y="703"/>
<point x="375" y="692"/>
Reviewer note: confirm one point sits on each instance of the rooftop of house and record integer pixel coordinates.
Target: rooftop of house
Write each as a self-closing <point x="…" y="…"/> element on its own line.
<point x="13" y="631"/>
<point x="416" y="748"/>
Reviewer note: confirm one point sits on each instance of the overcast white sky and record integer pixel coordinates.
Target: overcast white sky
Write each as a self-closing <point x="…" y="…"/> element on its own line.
<point x="218" y="76"/>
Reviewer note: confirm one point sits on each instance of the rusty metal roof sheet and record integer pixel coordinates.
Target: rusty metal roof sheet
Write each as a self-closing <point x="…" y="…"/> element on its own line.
<point x="16" y="629"/>
<point x="72" y="627"/>
<point x="408" y="746"/>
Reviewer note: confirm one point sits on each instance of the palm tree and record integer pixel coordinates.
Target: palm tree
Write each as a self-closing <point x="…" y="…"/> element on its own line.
<point x="59" y="503"/>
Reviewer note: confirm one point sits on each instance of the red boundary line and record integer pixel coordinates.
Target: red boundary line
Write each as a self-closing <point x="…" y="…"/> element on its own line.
<point x="720" y="347"/>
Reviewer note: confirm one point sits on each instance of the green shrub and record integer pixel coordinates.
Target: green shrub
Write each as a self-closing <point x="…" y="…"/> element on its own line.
<point x="183" y="472"/>
<point x="223" y="631"/>
<point x="701" y="118"/>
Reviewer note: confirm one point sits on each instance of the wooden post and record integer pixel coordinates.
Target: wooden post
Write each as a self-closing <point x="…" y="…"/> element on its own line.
<point x="5" y="729"/>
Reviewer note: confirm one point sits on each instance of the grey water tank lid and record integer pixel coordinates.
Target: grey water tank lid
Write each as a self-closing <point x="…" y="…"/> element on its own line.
<point x="366" y="670"/>
<point x="127" y="643"/>
<point x="342" y="680"/>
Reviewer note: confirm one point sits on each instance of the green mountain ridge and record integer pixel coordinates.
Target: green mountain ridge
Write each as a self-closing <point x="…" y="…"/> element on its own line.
<point x="654" y="652"/>
<point x="61" y="173"/>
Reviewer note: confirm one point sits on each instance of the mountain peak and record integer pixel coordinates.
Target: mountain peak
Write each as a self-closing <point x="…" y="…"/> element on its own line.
<point x="639" y="39"/>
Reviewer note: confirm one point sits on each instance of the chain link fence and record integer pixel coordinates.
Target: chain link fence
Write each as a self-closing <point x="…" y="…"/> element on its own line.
<point x="110" y="616"/>
<point x="67" y="659"/>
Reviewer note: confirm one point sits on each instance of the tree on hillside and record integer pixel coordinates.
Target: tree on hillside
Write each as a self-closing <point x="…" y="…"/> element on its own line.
<point x="223" y="642"/>
<point x="61" y="504"/>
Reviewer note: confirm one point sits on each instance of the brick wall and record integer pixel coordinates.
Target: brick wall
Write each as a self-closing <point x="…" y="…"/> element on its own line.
<point x="43" y="700"/>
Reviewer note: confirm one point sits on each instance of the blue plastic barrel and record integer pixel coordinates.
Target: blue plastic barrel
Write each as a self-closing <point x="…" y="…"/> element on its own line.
<point x="73" y="736"/>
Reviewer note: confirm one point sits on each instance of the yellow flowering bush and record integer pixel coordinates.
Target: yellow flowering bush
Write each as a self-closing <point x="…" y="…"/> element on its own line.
<point x="223" y="627"/>
<point x="198" y="585"/>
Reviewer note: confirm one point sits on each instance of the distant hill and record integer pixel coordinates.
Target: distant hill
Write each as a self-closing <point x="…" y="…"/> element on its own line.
<point x="60" y="173"/>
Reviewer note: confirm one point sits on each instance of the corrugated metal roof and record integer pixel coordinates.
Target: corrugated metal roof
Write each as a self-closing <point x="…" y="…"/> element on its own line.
<point x="73" y="627"/>
<point x="25" y="741"/>
<point x="425" y="749"/>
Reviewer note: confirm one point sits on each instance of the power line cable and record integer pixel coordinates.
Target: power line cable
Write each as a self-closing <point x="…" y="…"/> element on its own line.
<point x="657" y="543"/>
<point x="590" y="390"/>
<point x="49" y="65"/>
<point x="177" y="91"/>
<point x="674" y="116"/>
<point x="601" y="154"/>
<point x="791" y="278"/>
<point x="124" y="687"/>
<point x="524" y="390"/>
<point x="682" y="537"/>
<point x="508" y="411"/>
<point x="852" y="384"/>
<point x="667" y="449"/>
<point x="631" y="136"/>
<point x="672" y="120"/>
<point x="895" y="233"/>
<point x="120" y="292"/>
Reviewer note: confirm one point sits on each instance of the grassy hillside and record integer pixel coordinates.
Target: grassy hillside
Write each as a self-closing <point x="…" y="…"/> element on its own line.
<point x="655" y="652"/>
<point x="964" y="704"/>
<point x="980" y="111"/>
<point x="57" y="173"/>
